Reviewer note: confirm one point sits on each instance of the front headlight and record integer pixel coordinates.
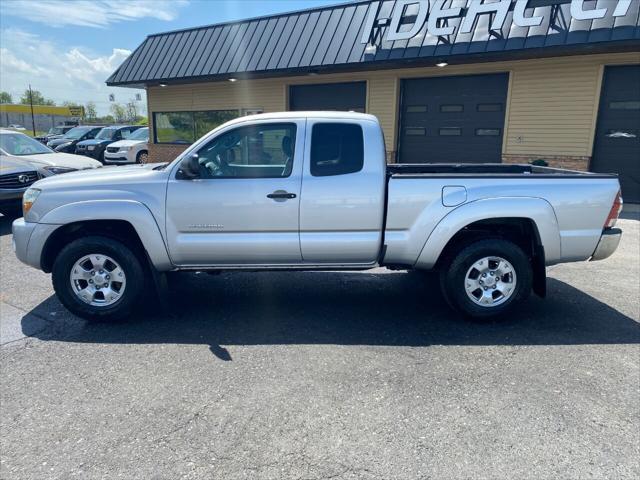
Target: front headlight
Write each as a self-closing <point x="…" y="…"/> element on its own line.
<point x="28" y="199"/>
<point x="59" y="170"/>
<point x="125" y="149"/>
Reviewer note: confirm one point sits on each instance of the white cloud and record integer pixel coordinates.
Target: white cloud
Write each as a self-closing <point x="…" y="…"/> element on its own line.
<point x="62" y="74"/>
<point x="91" y="13"/>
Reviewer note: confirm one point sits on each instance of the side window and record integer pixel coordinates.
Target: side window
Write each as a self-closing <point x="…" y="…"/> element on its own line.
<point x="257" y="151"/>
<point x="125" y="133"/>
<point x="336" y="149"/>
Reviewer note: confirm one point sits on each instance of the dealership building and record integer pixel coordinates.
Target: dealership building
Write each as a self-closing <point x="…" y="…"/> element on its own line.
<point x="508" y="81"/>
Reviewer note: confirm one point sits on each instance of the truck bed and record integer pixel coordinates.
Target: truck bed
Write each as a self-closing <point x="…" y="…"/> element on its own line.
<point x="572" y="206"/>
<point x="486" y="169"/>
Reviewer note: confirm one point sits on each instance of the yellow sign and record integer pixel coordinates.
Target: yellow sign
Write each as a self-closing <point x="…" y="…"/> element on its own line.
<point x="42" y="110"/>
<point x="76" y="111"/>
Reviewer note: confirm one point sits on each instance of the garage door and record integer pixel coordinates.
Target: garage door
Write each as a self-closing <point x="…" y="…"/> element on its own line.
<point x="617" y="143"/>
<point x="453" y="119"/>
<point x="344" y="97"/>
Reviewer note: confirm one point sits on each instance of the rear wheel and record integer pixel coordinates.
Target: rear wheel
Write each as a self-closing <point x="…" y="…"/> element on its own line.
<point x="487" y="278"/>
<point x="98" y="278"/>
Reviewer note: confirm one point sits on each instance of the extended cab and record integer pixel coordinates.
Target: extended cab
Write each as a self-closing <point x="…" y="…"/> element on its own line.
<point x="310" y="191"/>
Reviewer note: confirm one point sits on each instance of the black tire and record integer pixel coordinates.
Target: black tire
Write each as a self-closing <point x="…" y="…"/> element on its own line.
<point x="134" y="272"/>
<point x="139" y="157"/>
<point x="454" y="271"/>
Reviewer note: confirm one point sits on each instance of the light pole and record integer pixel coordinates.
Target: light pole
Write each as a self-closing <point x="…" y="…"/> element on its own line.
<point x="33" y="120"/>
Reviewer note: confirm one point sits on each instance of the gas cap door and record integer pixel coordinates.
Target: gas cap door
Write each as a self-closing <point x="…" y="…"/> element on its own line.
<point x="453" y="195"/>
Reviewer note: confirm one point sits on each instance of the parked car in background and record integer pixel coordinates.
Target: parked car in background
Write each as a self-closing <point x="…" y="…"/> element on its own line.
<point x="55" y="132"/>
<point x="17" y="127"/>
<point x="16" y="176"/>
<point x="67" y="143"/>
<point x="95" y="148"/>
<point x="134" y="149"/>
<point x="16" y="144"/>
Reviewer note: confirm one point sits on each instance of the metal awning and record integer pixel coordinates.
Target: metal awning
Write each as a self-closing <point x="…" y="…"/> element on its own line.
<point x="366" y="35"/>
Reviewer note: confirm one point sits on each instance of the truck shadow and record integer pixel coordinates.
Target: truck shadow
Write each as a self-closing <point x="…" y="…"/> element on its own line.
<point x="390" y="309"/>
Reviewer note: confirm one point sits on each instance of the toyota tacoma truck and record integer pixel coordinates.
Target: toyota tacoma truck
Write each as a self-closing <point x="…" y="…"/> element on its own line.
<point x="312" y="191"/>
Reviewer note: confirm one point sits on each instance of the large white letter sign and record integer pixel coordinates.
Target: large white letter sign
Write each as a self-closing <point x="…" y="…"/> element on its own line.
<point x="476" y="8"/>
<point x="520" y="20"/>
<point x="398" y="11"/>
<point x="578" y="12"/>
<point x="437" y="13"/>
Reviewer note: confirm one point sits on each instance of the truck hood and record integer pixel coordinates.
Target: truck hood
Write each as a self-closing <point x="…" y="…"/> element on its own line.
<point x="68" y="160"/>
<point x="100" y="178"/>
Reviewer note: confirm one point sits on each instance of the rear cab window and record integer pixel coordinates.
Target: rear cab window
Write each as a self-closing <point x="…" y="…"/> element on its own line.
<point x="336" y="149"/>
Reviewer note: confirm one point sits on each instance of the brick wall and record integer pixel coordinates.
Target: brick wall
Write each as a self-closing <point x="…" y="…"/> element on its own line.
<point x="164" y="153"/>
<point x="557" y="161"/>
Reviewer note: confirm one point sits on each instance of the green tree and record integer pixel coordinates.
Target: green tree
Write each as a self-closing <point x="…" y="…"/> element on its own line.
<point x="132" y="111"/>
<point x="38" y="98"/>
<point x="5" y="97"/>
<point x="119" y="112"/>
<point x="90" y="111"/>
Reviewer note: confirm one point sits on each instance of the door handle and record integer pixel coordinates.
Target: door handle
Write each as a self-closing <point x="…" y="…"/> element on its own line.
<point x="281" y="195"/>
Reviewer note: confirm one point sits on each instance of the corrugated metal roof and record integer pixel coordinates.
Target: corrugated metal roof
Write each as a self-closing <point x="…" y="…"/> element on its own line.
<point x="331" y="38"/>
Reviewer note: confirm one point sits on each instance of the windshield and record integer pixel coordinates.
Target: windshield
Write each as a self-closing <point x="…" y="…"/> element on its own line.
<point x="20" y="144"/>
<point x="106" y="133"/>
<point x="76" y="133"/>
<point x="56" y="130"/>
<point x="140" y="134"/>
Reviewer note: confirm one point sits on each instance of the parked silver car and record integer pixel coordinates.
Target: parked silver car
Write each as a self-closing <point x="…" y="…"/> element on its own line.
<point x="16" y="144"/>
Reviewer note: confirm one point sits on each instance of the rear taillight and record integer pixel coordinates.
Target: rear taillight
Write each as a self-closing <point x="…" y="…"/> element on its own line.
<point x="614" y="213"/>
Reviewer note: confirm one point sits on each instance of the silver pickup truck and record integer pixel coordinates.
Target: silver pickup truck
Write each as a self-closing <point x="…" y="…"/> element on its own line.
<point x="312" y="190"/>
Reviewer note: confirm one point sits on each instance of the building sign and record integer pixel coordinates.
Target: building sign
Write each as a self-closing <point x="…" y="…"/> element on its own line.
<point x="76" y="111"/>
<point x="409" y="16"/>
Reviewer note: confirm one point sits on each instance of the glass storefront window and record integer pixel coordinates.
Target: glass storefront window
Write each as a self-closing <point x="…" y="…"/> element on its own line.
<point x="173" y="127"/>
<point x="207" y="121"/>
<point x="187" y="127"/>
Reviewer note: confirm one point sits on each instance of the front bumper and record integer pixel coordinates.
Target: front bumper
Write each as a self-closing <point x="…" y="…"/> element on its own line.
<point x="116" y="157"/>
<point x="608" y="244"/>
<point x="29" y="239"/>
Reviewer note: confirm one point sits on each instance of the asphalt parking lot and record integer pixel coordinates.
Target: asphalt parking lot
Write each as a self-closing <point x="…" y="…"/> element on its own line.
<point x="324" y="375"/>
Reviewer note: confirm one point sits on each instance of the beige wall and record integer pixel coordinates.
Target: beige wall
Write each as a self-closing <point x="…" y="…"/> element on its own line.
<point x="552" y="105"/>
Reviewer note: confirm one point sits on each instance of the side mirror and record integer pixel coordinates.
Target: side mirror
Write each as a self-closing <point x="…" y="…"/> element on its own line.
<point x="189" y="168"/>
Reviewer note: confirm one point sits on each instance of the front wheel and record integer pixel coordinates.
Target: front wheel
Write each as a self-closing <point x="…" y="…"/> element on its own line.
<point x="98" y="278"/>
<point x="487" y="278"/>
<point x="142" y="157"/>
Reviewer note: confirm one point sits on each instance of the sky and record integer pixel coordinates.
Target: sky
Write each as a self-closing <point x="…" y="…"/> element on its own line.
<point x="67" y="49"/>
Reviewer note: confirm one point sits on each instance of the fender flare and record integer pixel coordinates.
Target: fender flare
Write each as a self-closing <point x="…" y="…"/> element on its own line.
<point x="135" y="213"/>
<point x="536" y="209"/>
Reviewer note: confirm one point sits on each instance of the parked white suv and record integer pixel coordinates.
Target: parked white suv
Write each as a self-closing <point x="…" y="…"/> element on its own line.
<point x="131" y="150"/>
<point x="16" y="144"/>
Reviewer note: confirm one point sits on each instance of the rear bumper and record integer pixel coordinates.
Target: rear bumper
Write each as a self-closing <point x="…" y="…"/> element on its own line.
<point x="608" y="244"/>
